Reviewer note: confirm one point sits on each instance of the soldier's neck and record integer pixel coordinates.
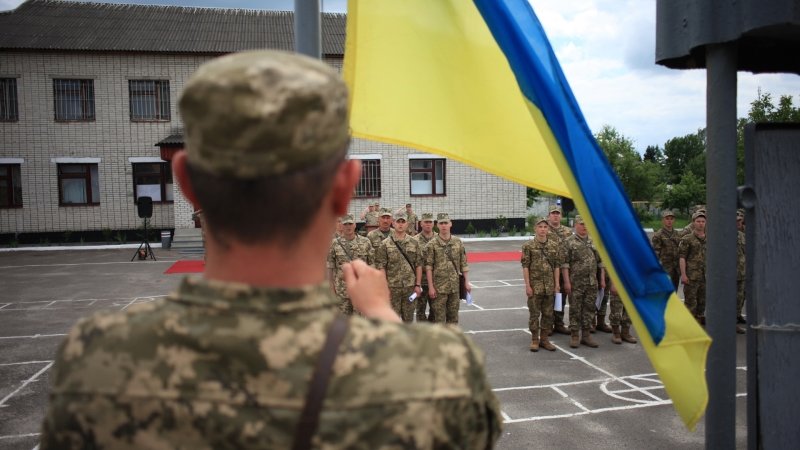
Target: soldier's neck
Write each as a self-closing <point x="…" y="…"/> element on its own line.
<point x="541" y="238"/>
<point x="427" y="235"/>
<point x="444" y="237"/>
<point x="399" y="236"/>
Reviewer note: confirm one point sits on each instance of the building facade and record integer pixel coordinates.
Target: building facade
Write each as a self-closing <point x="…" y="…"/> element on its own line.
<point x="89" y="120"/>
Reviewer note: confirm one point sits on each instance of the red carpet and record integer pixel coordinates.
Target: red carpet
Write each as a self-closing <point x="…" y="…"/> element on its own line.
<point x="197" y="266"/>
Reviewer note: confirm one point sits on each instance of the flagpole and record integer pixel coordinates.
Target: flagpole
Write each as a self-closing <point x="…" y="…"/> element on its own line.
<point x="307" y="27"/>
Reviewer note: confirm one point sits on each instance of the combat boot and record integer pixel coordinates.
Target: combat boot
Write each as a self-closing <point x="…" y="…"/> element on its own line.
<point x="535" y="344"/>
<point x="593" y="325"/>
<point x="586" y="339"/>
<point x="602" y="325"/>
<point x="616" y="338"/>
<point x="626" y="335"/>
<point x="574" y="341"/>
<point x="546" y="344"/>
<point x="561" y="329"/>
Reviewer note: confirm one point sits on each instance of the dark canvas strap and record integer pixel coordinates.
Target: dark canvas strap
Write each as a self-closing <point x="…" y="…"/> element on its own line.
<point x="349" y="256"/>
<point x="413" y="269"/>
<point x="309" y="419"/>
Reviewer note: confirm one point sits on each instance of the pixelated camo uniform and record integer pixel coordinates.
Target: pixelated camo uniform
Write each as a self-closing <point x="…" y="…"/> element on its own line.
<point x="424" y="301"/>
<point x="446" y="259"/>
<point x="225" y="365"/>
<point x="340" y="252"/>
<point x="583" y="261"/>
<point x="740" y="264"/>
<point x="560" y="234"/>
<point x="371" y="219"/>
<point x="665" y="244"/>
<point x="692" y="248"/>
<point x="541" y="259"/>
<point x="400" y="272"/>
<point x="619" y="314"/>
<point x="377" y="236"/>
<point x="412" y="224"/>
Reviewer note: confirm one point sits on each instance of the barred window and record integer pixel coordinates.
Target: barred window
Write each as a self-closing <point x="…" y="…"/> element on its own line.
<point x="78" y="184"/>
<point x="149" y="99"/>
<point x="74" y="99"/>
<point x="153" y="180"/>
<point x="10" y="186"/>
<point x="427" y="177"/>
<point x="8" y="100"/>
<point x="369" y="185"/>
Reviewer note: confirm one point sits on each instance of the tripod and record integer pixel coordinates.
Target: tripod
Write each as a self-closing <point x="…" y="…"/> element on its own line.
<point x="144" y="251"/>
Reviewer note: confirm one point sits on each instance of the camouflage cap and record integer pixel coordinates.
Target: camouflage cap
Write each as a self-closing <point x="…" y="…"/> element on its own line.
<point x="740" y="214"/>
<point x="555" y="208"/>
<point x="402" y="215"/>
<point x="700" y="213"/>
<point x="426" y="217"/>
<point x="579" y="220"/>
<point x="348" y="218"/>
<point x="376" y="204"/>
<point x="443" y="217"/>
<point x="386" y="212"/>
<point x="541" y="219"/>
<point x="264" y="112"/>
<point x="667" y="213"/>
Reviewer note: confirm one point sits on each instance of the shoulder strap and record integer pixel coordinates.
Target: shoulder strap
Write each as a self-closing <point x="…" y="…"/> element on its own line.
<point x="450" y="257"/>
<point x="413" y="269"/>
<point x="309" y="418"/>
<point x="544" y="255"/>
<point x="349" y="256"/>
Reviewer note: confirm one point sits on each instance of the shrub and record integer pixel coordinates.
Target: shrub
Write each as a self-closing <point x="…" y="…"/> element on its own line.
<point x="470" y="229"/>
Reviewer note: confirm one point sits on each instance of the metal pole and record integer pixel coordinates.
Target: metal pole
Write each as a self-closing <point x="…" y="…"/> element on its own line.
<point x="307" y="27"/>
<point x="721" y="63"/>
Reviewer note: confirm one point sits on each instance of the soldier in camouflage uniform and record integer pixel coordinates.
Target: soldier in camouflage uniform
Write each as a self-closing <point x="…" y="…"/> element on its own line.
<point x="445" y="260"/>
<point x="690" y="227"/>
<point x="620" y="321"/>
<point x="541" y="271"/>
<point x="581" y="263"/>
<point x="412" y="220"/>
<point x="665" y="243"/>
<point x="400" y="257"/>
<point x="559" y="233"/>
<point x="344" y="249"/>
<point x="226" y="361"/>
<point x="424" y="301"/>
<point x="371" y="217"/>
<point x="740" y="261"/>
<point x="384" y="229"/>
<point x="692" y="254"/>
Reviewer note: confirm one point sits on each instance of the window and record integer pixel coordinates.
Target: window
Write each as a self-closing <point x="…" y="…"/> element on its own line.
<point x="10" y="186"/>
<point x="8" y="100"/>
<point x="74" y="100"/>
<point x="153" y="180"/>
<point x="369" y="185"/>
<point x="149" y="99"/>
<point x="427" y="176"/>
<point x="78" y="184"/>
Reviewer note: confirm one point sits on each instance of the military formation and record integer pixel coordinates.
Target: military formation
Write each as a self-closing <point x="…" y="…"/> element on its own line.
<point x="427" y="271"/>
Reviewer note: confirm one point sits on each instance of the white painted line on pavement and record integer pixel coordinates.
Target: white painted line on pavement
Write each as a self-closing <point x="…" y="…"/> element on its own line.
<point x="572" y="400"/>
<point x="34" y="336"/>
<point x="495" y="331"/>
<point x="25" y="266"/>
<point x="17" y="436"/>
<point x="493" y="309"/>
<point x="25" y="383"/>
<point x="25" y="363"/>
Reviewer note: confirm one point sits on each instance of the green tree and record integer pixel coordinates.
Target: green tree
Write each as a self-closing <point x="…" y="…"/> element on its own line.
<point x="636" y="177"/>
<point x="654" y="154"/>
<point x="689" y="191"/>
<point x="680" y="151"/>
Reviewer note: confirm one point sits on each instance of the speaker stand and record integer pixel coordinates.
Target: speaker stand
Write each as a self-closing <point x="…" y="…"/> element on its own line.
<point x="144" y="251"/>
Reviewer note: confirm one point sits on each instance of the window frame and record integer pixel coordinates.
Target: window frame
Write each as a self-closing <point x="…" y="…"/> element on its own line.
<point x="163" y="174"/>
<point x="9" y="100"/>
<point x="371" y="187"/>
<point x="160" y="107"/>
<point x="13" y="173"/>
<point x="432" y="171"/>
<point x="85" y="93"/>
<point x="87" y="176"/>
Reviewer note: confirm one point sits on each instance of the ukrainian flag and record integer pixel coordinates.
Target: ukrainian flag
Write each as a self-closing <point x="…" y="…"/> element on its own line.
<point x="478" y="82"/>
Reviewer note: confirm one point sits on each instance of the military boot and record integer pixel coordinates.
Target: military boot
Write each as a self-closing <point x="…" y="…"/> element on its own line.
<point x="593" y="325"/>
<point x="546" y="344"/>
<point x="561" y="329"/>
<point x="626" y="335"/>
<point x="535" y="344"/>
<point x="586" y="338"/>
<point x="602" y="325"/>
<point x="616" y="338"/>
<point x="574" y="341"/>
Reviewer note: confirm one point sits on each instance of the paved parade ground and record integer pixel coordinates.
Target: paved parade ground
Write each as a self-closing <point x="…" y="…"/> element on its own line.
<point x="603" y="398"/>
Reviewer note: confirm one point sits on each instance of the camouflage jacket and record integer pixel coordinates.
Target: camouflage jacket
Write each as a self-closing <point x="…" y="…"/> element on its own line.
<point x="740" y="250"/>
<point x="371" y="218"/>
<point x="582" y="260"/>
<point x="358" y="248"/>
<point x="541" y="259"/>
<point x="388" y="258"/>
<point x="693" y="249"/>
<point x="561" y="233"/>
<point x="438" y="256"/>
<point x="665" y="243"/>
<point x="225" y="365"/>
<point x="423" y="241"/>
<point x="412" y="224"/>
<point x="377" y="236"/>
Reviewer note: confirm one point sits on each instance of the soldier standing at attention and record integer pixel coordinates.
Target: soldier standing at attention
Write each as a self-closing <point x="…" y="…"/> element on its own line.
<point x="541" y="271"/>
<point x="413" y="221"/>
<point x="237" y="356"/>
<point x="445" y="260"/>
<point x="370" y="217"/>
<point x="620" y="321"/>
<point x="425" y="236"/>
<point x="400" y="257"/>
<point x="740" y="261"/>
<point x="384" y="229"/>
<point x="345" y="249"/>
<point x="692" y="254"/>
<point x="559" y="233"/>
<point x="581" y="263"/>
<point x="665" y="243"/>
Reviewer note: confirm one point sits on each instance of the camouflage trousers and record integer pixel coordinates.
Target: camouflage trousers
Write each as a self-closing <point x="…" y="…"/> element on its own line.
<point x="445" y="307"/>
<point x="400" y="304"/>
<point x="739" y="297"/>
<point x="540" y="305"/>
<point x="558" y="316"/>
<point x="581" y="307"/>
<point x="694" y="297"/>
<point x="604" y="304"/>
<point x="424" y="302"/>
<point x="619" y="315"/>
<point x="345" y="305"/>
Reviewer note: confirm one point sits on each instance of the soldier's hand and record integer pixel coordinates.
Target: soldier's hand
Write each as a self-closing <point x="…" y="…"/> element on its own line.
<point x="613" y="289"/>
<point x="529" y="291"/>
<point x="684" y="280"/>
<point x="567" y="287"/>
<point x="368" y="291"/>
<point x="432" y="292"/>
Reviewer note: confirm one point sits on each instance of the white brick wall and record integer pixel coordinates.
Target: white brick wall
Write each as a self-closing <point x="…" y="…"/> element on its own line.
<point x="112" y="137"/>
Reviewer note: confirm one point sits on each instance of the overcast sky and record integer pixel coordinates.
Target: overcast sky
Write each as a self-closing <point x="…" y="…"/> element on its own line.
<point x="607" y="50"/>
